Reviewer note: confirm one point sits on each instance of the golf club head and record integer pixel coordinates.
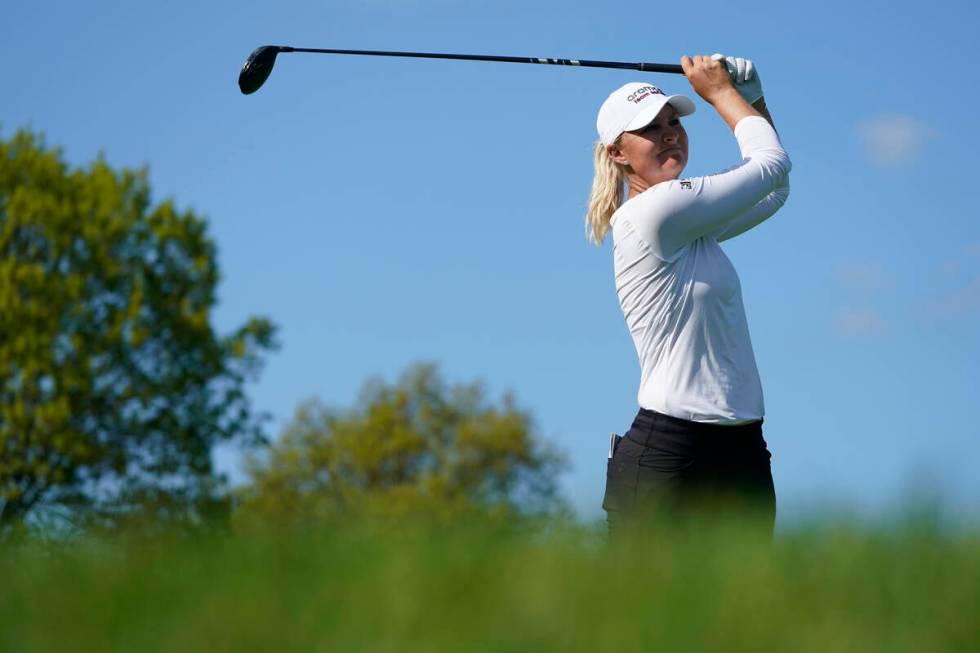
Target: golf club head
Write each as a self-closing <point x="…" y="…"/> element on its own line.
<point x="257" y="68"/>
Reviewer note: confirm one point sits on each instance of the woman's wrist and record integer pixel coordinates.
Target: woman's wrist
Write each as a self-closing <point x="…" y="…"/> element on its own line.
<point x="732" y="107"/>
<point x="724" y="96"/>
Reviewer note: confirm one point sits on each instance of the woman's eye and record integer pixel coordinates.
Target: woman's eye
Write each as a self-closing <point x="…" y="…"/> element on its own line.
<point x="675" y="121"/>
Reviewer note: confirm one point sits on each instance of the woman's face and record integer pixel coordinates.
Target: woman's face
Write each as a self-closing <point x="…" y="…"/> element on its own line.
<point x="656" y="153"/>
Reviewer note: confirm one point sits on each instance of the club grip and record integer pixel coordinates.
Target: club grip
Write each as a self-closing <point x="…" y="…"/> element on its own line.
<point x="661" y="68"/>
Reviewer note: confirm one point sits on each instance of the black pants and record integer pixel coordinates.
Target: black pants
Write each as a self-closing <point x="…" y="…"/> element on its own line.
<point x="674" y="469"/>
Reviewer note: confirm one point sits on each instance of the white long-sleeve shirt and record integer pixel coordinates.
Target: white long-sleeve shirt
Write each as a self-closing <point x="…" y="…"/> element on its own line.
<point x="680" y="294"/>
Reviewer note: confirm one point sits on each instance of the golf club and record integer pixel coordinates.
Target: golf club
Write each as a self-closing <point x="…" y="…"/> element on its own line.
<point x="259" y="64"/>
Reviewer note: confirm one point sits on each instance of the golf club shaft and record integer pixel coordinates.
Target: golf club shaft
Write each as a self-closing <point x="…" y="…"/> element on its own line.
<point x="645" y="67"/>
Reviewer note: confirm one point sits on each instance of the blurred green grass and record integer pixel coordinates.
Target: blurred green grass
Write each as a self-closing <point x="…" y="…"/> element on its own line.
<point x="484" y="586"/>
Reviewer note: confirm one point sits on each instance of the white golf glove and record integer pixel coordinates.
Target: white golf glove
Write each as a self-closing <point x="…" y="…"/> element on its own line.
<point x="744" y="75"/>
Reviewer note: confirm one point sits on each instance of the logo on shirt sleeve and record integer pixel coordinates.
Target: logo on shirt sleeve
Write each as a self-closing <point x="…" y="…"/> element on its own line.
<point x="686" y="184"/>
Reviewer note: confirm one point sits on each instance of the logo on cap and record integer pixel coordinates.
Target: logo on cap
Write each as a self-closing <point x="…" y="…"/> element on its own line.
<point x="643" y="92"/>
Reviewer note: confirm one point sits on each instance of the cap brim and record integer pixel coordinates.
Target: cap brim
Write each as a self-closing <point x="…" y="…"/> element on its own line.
<point x="683" y="105"/>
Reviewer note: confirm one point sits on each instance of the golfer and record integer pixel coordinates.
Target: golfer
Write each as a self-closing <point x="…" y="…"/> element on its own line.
<point x="696" y="444"/>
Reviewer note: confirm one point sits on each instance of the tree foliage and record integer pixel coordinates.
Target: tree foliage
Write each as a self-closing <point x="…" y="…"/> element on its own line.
<point x="113" y="383"/>
<point x="415" y="447"/>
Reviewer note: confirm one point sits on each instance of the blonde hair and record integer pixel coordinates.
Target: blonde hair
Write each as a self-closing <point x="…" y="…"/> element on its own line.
<point x="608" y="188"/>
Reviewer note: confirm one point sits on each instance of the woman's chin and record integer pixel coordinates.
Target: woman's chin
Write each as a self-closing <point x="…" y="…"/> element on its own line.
<point x="674" y="159"/>
<point x="674" y="166"/>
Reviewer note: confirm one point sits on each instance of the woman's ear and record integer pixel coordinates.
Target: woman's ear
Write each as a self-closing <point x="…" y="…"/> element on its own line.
<point x="617" y="154"/>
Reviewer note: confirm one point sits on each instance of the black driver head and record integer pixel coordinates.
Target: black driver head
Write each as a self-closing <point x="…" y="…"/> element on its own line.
<point x="257" y="68"/>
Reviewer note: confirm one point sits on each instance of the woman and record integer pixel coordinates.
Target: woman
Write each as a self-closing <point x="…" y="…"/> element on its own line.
<point x="696" y="444"/>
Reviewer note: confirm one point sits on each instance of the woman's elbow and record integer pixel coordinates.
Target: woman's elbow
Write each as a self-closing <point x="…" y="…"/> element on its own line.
<point x="774" y="165"/>
<point x="782" y="163"/>
<point x="788" y="164"/>
<point x="781" y="194"/>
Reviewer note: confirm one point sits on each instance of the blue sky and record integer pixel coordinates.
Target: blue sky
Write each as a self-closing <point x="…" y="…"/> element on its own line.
<point x="384" y="211"/>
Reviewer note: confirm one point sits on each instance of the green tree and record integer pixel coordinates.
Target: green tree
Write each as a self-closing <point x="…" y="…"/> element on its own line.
<point x="114" y="386"/>
<point x="415" y="447"/>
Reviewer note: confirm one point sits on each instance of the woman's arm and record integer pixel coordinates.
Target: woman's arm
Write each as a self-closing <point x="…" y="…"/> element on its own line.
<point x="766" y="207"/>
<point x="756" y="215"/>
<point x="673" y="214"/>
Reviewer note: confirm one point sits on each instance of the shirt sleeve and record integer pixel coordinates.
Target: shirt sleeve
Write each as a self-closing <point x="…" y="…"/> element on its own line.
<point x="673" y="214"/>
<point x="755" y="215"/>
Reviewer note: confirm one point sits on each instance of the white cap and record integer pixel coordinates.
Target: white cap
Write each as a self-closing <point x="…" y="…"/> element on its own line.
<point x="633" y="106"/>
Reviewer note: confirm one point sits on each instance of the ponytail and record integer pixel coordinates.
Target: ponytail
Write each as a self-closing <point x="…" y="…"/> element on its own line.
<point x="607" y="193"/>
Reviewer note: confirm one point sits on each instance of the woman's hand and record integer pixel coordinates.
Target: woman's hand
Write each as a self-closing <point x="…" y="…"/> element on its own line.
<point x="709" y="77"/>
<point x="744" y="76"/>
